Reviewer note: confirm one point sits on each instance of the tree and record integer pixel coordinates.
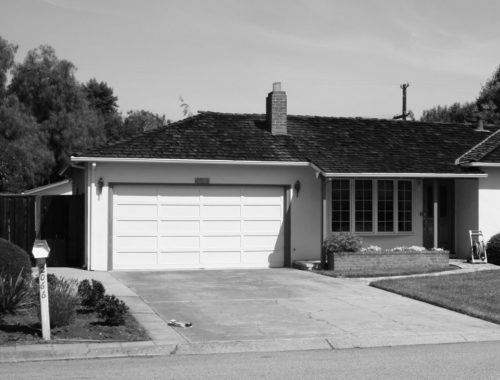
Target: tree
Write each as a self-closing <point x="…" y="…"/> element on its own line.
<point x="45" y="84"/>
<point x="100" y="96"/>
<point x="7" y="53"/>
<point x="488" y="101"/>
<point x="141" y="121"/>
<point x="456" y="113"/>
<point x="25" y="160"/>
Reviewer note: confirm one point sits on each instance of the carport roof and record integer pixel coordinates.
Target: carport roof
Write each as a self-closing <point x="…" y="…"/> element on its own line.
<point x="333" y="144"/>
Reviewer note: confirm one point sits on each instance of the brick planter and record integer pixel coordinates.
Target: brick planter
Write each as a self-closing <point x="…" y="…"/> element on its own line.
<point x="387" y="261"/>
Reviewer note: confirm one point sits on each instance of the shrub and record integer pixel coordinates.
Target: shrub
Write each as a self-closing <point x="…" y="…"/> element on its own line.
<point x="15" y="293"/>
<point x="342" y="242"/>
<point x="493" y="249"/>
<point x="13" y="259"/>
<point x="111" y="310"/>
<point x="63" y="300"/>
<point x="90" y="293"/>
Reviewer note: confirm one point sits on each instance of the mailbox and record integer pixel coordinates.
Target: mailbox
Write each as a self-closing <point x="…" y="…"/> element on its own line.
<point x="40" y="249"/>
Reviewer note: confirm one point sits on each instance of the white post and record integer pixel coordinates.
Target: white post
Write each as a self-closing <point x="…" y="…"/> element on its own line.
<point x="44" y="297"/>
<point x="435" y="196"/>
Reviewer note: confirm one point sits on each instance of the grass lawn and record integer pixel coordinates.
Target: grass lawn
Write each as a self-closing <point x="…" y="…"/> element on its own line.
<point x="476" y="294"/>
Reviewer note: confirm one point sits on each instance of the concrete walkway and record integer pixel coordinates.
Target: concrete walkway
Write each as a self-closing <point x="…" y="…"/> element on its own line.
<point x="261" y="310"/>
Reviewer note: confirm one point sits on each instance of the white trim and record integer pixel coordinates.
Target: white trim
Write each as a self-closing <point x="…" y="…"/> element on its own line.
<point x="483" y="164"/>
<point x="46" y="187"/>
<point x="279" y="163"/>
<point x="457" y="161"/>
<point x="188" y="161"/>
<point x="405" y="175"/>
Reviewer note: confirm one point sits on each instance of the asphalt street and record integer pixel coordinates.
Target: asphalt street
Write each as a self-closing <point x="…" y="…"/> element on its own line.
<point x="444" y="361"/>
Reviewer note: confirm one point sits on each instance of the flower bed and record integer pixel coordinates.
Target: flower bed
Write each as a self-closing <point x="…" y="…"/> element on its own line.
<point x="387" y="261"/>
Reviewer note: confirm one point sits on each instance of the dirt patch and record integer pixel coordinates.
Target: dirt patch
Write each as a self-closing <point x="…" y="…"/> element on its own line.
<point x="24" y="328"/>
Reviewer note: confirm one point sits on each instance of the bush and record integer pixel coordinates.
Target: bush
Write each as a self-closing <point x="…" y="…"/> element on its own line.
<point x="13" y="259"/>
<point x="111" y="310"/>
<point x="15" y="293"/>
<point x="63" y="300"/>
<point x="493" y="249"/>
<point x="342" y="242"/>
<point x="90" y="293"/>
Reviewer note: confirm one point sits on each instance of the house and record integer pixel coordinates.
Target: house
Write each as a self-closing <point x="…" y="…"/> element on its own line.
<point x="57" y="188"/>
<point x="221" y="190"/>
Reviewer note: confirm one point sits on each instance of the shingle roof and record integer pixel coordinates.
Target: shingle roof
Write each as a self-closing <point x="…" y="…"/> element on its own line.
<point x="487" y="150"/>
<point x="335" y="145"/>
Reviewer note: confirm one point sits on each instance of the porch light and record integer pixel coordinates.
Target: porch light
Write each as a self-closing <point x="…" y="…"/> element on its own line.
<point x="297" y="187"/>
<point x="100" y="185"/>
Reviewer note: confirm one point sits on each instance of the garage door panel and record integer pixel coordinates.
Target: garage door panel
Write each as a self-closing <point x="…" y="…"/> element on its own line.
<point x="179" y="227"/>
<point x="221" y="195"/>
<point x="135" y="211"/>
<point x="262" y="242"/>
<point x="197" y="226"/>
<point x="178" y="195"/>
<point x="220" y="259"/>
<point x="179" y="258"/>
<point x="179" y="243"/>
<point x="262" y="227"/>
<point x="262" y="211"/>
<point x="220" y="243"/>
<point x="131" y="227"/>
<point x="255" y="258"/>
<point x="221" y="211"/>
<point x="135" y="244"/>
<point x="179" y="211"/>
<point x="220" y="227"/>
<point x="262" y="195"/>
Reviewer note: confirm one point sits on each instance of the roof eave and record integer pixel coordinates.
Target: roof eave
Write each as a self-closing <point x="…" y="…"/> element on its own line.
<point x="405" y="175"/>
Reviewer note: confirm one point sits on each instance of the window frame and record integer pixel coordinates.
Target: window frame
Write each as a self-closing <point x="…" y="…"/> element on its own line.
<point x="375" y="195"/>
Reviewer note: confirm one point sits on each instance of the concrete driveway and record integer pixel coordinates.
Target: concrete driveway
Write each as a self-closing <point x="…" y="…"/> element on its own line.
<point x="287" y="304"/>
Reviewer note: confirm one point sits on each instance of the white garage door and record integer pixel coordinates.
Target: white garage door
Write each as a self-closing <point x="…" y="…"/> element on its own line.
<point x="158" y="227"/>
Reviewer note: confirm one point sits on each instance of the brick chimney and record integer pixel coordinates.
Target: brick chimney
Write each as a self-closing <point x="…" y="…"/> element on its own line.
<point x="276" y="110"/>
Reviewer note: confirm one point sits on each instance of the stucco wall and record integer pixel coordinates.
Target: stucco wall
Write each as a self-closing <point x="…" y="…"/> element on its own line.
<point x="305" y="209"/>
<point x="391" y="240"/>
<point x="466" y="214"/>
<point x="489" y="202"/>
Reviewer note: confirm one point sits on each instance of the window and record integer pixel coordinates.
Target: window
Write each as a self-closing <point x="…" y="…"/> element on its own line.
<point x="372" y="206"/>
<point x="404" y="206"/>
<point x="385" y="206"/>
<point x="363" y="210"/>
<point x="341" y="200"/>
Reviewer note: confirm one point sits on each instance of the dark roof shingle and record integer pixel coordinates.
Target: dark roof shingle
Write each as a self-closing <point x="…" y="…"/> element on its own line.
<point x="335" y="145"/>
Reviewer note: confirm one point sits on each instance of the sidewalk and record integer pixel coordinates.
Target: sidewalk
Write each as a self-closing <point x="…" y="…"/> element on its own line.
<point x="165" y="340"/>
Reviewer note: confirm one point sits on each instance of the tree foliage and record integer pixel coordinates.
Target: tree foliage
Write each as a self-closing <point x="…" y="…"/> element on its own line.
<point x="100" y="97"/>
<point x="7" y="53"/>
<point x="141" y="121"/>
<point x="485" y="107"/>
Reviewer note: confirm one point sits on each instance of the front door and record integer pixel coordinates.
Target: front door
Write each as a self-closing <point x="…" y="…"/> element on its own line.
<point x="440" y="192"/>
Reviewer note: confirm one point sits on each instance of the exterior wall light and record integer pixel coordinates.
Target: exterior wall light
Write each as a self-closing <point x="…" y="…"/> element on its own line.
<point x="100" y="185"/>
<point x="297" y="187"/>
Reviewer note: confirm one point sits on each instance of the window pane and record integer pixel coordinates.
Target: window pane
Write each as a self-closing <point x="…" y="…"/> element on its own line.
<point x="363" y="206"/>
<point x="340" y="205"/>
<point x="404" y="206"/>
<point x="385" y="205"/>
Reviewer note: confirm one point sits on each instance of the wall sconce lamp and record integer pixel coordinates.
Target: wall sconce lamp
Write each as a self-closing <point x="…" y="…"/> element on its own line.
<point x="297" y="187"/>
<point x="100" y="185"/>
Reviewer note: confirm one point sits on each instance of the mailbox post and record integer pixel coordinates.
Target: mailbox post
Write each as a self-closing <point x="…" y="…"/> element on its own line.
<point x="40" y="252"/>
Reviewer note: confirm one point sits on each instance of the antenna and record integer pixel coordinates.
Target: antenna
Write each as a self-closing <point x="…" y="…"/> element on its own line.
<point x="404" y="114"/>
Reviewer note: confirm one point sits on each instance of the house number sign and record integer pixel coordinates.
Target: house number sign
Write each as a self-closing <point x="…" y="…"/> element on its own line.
<point x="40" y="252"/>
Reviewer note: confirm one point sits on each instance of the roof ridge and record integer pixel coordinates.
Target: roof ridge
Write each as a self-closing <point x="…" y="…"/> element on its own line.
<point x="475" y="147"/>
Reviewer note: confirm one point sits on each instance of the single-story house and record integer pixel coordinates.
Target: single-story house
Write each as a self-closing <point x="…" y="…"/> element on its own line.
<point x="56" y="188"/>
<point x="221" y="190"/>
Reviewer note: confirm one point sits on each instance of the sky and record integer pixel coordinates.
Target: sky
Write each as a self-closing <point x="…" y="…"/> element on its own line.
<point x="333" y="57"/>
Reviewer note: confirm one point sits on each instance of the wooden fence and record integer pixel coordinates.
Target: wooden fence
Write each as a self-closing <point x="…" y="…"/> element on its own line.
<point x="60" y="221"/>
